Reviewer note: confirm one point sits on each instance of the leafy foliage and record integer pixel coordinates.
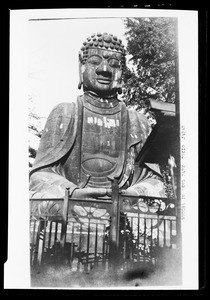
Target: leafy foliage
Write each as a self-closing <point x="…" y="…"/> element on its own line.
<point x="167" y="180"/>
<point x="35" y="128"/>
<point x="151" y="45"/>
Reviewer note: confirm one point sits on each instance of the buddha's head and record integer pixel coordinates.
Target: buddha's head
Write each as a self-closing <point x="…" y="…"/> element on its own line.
<point x="101" y="64"/>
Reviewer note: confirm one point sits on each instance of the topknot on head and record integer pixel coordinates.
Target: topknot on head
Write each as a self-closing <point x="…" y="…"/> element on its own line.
<point x="102" y="41"/>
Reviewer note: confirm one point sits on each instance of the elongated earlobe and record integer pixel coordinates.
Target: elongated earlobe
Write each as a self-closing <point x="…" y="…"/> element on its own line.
<point x="80" y="79"/>
<point x="80" y="85"/>
<point x="119" y="90"/>
<point x="80" y="72"/>
<point x="119" y="86"/>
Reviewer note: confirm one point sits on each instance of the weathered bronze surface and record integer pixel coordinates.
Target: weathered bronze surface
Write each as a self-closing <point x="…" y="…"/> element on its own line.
<point x="86" y="144"/>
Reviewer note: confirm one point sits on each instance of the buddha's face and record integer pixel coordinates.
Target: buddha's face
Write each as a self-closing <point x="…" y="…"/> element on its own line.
<point x="102" y="71"/>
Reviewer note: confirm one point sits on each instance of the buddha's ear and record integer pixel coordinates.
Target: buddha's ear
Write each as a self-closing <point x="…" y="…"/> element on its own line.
<point x="120" y="85"/>
<point x="80" y="71"/>
<point x="119" y="90"/>
<point x="118" y="82"/>
<point x="121" y="82"/>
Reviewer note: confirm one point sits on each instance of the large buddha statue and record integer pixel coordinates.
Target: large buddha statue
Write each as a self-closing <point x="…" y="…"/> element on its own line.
<point x="87" y="143"/>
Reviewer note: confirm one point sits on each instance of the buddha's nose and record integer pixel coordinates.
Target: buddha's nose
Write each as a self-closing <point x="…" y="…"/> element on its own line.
<point x="104" y="69"/>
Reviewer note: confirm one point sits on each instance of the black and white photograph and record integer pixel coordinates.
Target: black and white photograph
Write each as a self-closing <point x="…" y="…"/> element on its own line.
<point x="103" y="182"/>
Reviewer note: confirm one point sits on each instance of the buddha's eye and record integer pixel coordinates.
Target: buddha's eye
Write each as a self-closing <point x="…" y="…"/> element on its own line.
<point x="95" y="60"/>
<point x="114" y="63"/>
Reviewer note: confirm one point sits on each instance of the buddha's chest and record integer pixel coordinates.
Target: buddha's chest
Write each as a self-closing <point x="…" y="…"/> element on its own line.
<point x="101" y="141"/>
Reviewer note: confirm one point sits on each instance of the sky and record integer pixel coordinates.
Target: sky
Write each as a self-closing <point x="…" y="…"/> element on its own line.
<point x="53" y="46"/>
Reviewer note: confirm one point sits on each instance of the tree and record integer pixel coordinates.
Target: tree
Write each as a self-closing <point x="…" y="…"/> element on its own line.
<point x="35" y="127"/>
<point x="152" y="50"/>
<point x="151" y="47"/>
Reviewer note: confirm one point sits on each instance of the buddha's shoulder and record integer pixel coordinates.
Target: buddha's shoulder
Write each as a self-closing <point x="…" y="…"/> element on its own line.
<point x="136" y="115"/>
<point x="63" y="108"/>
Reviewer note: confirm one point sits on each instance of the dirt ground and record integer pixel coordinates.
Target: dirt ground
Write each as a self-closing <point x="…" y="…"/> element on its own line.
<point x="139" y="276"/>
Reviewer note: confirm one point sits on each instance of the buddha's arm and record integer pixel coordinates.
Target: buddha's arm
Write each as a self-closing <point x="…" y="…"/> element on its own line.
<point x="47" y="181"/>
<point x="48" y="184"/>
<point x="147" y="183"/>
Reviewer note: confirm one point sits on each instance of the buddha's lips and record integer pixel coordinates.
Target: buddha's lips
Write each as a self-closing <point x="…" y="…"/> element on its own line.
<point x="104" y="80"/>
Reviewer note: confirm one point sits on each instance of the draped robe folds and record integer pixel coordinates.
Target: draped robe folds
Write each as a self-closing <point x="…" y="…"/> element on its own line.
<point x="58" y="162"/>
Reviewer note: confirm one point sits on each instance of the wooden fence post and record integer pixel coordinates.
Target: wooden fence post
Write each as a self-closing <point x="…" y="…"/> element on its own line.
<point x="65" y="218"/>
<point x="115" y="226"/>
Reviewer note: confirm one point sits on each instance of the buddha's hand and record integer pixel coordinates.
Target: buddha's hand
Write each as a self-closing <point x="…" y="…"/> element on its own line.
<point x="91" y="193"/>
<point x="132" y="192"/>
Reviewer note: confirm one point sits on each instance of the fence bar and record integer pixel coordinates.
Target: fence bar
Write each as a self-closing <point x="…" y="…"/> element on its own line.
<point x="151" y="231"/>
<point x="145" y="229"/>
<point x="158" y="224"/>
<point x="32" y="241"/>
<point x="104" y="246"/>
<point x="37" y="244"/>
<point x="33" y="245"/>
<point x="80" y="246"/>
<point x="56" y="232"/>
<point x="164" y="232"/>
<point x="170" y="233"/>
<point x="115" y="225"/>
<point x="40" y="242"/>
<point x="96" y="243"/>
<point x="88" y="243"/>
<point x="50" y="233"/>
<point x="124" y="238"/>
<point x="65" y="217"/>
<point x="44" y="237"/>
<point x="34" y="230"/>
<point x="131" y="220"/>
<point x="72" y="245"/>
<point x="138" y="231"/>
<point x="174" y="229"/>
